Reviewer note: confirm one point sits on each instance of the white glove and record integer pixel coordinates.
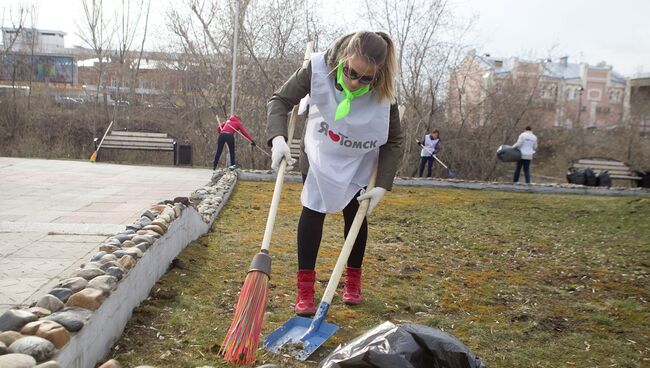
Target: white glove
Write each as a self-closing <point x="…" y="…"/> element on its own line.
<point x="280" y="150"/>
<point x="375" y="195"/>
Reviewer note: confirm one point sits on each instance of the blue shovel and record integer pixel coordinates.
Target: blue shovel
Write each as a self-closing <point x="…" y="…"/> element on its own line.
<point x="301" y="336"/>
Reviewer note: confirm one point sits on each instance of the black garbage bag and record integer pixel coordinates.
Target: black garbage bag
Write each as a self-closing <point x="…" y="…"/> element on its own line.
<point x="604" y="179"/>
<point x="591" y="179"/>
<point x="645" y="179"/>
<point x="508" y="153"/>
<point x="576" y="176"/>
<point x="403" y="346"/>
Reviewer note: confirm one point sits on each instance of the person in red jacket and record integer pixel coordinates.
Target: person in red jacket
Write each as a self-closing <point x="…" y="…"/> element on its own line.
<point x="226" y="131"/>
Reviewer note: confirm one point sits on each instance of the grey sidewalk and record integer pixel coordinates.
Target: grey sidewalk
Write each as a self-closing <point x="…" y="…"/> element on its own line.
<point x="53" y="215"/>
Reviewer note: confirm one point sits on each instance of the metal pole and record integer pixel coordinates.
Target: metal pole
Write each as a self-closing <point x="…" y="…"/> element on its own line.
<point x="233" y="89"/>
<point x="580" y="91"/>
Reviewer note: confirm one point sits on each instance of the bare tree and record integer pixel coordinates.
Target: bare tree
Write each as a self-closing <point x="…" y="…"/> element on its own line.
<point x="10" y="120"/>
<point x="428" y="41"/>
<point x="133" y="24"/>
<point x="272" y="35"/>
<point x="17" y="19"/>
<point x="96" y="32"/>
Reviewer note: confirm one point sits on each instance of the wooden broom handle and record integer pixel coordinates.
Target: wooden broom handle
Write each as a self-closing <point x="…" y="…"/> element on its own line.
<point x="270" y="221"/>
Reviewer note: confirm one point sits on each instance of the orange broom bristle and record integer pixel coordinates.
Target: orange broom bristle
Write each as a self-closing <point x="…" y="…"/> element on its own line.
<point x="240" y="344"/>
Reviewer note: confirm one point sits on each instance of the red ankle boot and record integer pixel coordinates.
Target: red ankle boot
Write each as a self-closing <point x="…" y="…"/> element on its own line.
<point x="352" y="288"/>
<point x="305" y="297"/>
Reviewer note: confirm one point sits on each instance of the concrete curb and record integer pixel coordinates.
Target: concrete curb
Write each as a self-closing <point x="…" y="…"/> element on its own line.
<point x="106" y="324"/>
<point x="477" y="185"/>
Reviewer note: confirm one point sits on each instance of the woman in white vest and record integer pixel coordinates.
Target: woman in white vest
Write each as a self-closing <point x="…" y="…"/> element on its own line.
<point x="353" y="124"/>
<point x="430" y="146"/>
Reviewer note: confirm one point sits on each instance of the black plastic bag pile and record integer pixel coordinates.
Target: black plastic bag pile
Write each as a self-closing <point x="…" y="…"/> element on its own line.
<point x="404" y="346"/>
<point x="645" y="179"/>
<point x="589" y="177"/>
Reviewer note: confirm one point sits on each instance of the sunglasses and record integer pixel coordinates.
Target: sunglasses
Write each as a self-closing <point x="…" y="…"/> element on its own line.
<point x="354" y="75"/>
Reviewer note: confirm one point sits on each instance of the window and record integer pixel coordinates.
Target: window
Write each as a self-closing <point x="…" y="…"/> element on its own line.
<point x="113" y="82"/>
<point x="571" y="94"/>
<point x="549" y="91"/>
<point x="614" y="95"/>
<point x="594" y="94"/>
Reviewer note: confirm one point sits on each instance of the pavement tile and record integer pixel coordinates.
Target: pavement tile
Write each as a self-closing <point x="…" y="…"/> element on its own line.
<point x="54" y="250"/>
<point x="56" y="213"/>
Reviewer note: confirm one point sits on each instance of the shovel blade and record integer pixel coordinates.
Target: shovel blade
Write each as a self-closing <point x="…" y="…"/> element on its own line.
<point x="292" y="338"/>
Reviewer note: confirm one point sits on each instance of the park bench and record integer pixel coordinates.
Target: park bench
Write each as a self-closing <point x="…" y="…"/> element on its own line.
<point x="616" y="169"/>
<point x="139" y="140"/>
<point x="294" y="147"/>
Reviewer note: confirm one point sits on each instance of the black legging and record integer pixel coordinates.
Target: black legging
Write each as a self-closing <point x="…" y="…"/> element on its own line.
<point x="228" y="139"/>
<point x="310" y="232"/>
<point x="429" y="162"/>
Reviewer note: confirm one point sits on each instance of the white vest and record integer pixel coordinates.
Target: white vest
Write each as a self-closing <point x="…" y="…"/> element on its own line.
<point x="343" y="153"/>
<point x="429" y="146"/>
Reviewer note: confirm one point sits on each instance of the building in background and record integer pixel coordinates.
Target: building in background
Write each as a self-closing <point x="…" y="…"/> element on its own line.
<point x="637" y="102"/>
<point x="563" y="94"/>
<point x="29" y="40"/>
<point x="38" y="59"/>
<point x="36" y="56"/>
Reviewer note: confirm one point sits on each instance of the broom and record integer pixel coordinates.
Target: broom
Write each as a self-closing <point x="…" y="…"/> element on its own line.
<point x="240" y="344"/>
<point x="93" y="157"/>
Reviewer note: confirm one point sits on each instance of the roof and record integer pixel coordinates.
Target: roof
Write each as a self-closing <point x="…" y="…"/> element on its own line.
<point x="552" y="69"/>
<point x="36" y="29"/>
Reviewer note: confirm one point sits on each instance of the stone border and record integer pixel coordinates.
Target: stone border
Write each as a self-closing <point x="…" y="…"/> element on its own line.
<point x="115" y="281"/>
<point x="264" y="175"/>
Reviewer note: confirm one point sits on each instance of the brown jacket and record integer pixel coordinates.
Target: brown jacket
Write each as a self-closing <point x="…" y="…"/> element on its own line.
<point x="297" y="87"/>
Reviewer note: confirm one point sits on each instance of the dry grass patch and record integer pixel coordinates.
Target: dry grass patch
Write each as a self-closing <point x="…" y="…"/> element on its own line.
<point x="524" y="280"/>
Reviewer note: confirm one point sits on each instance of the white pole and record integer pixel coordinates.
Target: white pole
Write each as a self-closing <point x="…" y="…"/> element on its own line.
<point x="233" y="89"/>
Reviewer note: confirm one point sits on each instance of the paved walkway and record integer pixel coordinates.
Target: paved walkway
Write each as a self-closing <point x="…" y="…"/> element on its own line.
<point x="54" y="214"/>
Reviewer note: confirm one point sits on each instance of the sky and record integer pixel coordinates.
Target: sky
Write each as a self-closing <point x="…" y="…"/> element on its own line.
<point x="617" y="32"/>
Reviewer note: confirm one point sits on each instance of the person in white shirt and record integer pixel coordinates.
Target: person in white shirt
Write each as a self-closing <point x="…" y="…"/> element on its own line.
<point x="430" y="146"/>
<point x="527" y="144"/>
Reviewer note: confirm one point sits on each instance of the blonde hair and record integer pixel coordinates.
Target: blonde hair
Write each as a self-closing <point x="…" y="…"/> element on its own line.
<point x="378" y="50"/>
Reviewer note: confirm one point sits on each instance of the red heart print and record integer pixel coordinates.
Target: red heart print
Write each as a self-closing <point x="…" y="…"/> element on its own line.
<point x="335" y="137"/>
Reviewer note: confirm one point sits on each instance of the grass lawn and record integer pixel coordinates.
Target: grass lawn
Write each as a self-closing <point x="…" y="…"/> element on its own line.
<point x="524" y="280"/>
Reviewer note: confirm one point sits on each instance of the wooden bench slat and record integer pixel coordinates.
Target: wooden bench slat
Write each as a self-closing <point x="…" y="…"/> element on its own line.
<point x="138" y="139"/>
<point x="625" y="177"/>
<point x="600" y="162"/>
<point x="137" y="144"/>
<point x="602" y="168"/>
<point x="616" y="167"/>
<point x="294" y="148"/>
<point x="138" y="134"/>
<point x="148" y="148"/>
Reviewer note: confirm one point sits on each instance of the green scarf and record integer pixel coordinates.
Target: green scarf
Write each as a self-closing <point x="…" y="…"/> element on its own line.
<point x="344" y="106"/>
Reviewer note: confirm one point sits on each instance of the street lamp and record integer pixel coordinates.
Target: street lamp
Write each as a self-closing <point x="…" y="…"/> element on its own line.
<point x="580" y="91"/>
<point x="235" y="39"/>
